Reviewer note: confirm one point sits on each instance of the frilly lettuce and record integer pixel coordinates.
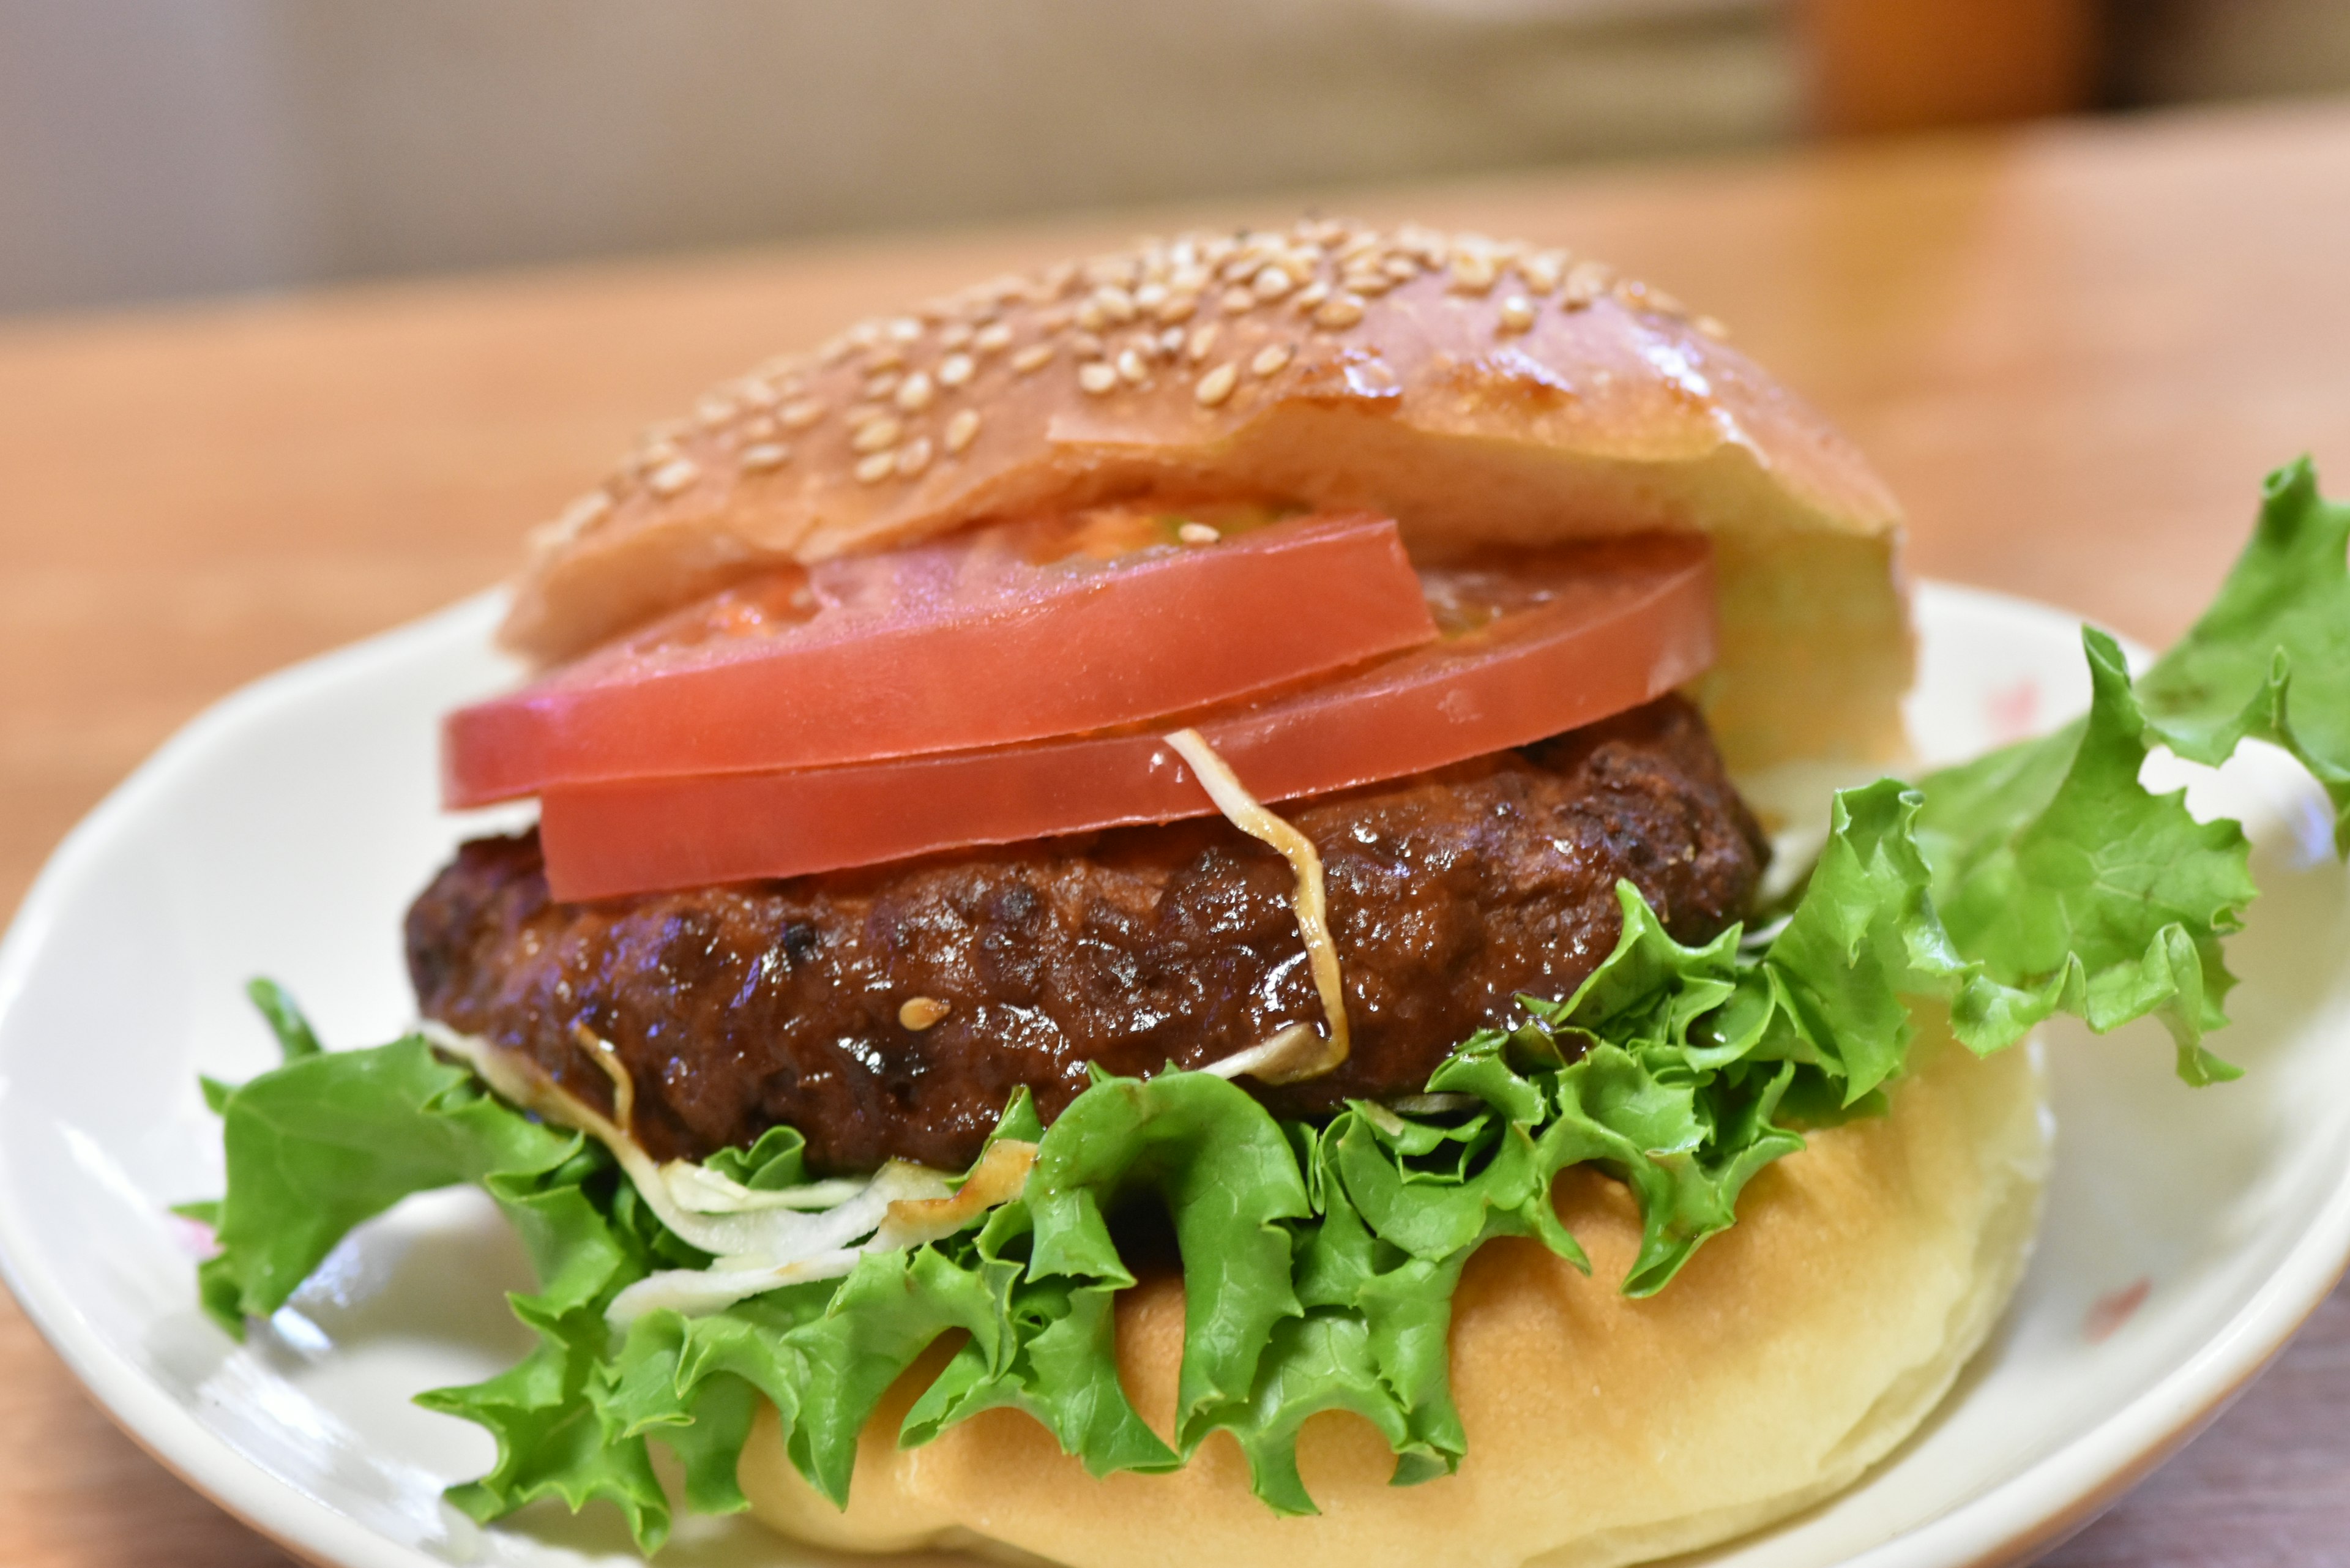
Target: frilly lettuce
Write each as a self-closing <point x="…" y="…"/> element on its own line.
<point x="1319" y="1261"/>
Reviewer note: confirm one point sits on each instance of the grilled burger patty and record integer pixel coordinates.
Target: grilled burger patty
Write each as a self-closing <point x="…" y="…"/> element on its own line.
<point x="739" y="1008"/>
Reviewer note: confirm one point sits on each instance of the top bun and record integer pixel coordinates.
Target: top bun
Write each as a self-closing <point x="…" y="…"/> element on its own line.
<point x="1483" y="393"/>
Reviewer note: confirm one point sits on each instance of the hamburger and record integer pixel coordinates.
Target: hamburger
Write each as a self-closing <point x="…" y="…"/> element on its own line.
<point x="1186" y="904"/>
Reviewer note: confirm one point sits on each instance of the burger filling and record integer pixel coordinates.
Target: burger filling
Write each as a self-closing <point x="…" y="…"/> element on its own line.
<point x="892" y="1014"/>
<point x="793" y="1054"/>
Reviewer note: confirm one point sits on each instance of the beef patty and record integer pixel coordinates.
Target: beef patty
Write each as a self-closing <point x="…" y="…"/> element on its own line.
<point x="735" y="1009"/>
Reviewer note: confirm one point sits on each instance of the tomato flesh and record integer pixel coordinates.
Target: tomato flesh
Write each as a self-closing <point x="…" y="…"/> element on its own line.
<point x="942" y="648"/>
<point x="1544" y="645"/>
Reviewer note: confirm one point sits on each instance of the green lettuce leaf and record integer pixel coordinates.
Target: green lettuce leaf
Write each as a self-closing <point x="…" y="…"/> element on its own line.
<point x="1319" y="1262"/>
<point x="1228" y="1177"/>
<point x="2103" y="900"/>
<point x="296" y="1038"/>
<point x="1864" y="938"/>
<point x="2270" y="661"/>
<point x="331" y="1140"/>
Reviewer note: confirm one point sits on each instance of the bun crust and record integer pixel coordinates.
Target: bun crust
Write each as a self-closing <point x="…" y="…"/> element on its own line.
<point x="1795" y="1352"/>
<point x="1482" y="393"/>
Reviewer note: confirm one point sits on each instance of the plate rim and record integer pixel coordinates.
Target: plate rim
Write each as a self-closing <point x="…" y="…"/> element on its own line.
<point x="166" y="1430"/>
<point x="2032" y="1510"/>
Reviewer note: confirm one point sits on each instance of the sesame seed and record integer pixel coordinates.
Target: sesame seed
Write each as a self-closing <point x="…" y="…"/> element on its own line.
<point x="1115" y="303"/>
<point x="1111" y="271"/>
<point x="888" y="356"/>
<point x="1517" y="313"/>
<point x="991" y="339"/>
<point x="1190" y="279"/>
<point x="1422" y="241"/>
<point x="1201" y="342"/>
<point x="1235" y="301"/>
<point x="1032" y="357"/>
<point x="1086" y="346"/>
<point x="920" y="1013"/>
<point x="876" y="434"/>
<point x="1312" y="295"/>
<point x="1640" y="296"/>
<point x="1097" y="377"/>
<point x="1171" y="343"/>
<point x="576" y="518"/>
<point x="1092" y="317"/>
<point x="1370" y="285"/>
<point x="1341" y="310"/>
<point x="914" y="393"/>
<point x="1543" y="270"/>
<point x="963" y="430"/>
<point x="673" y="476"/>
<point x="711" y="412"/>
<point x="860" y="415"/>
<point x="759" y="428"/>
<point x="1217" y="385"/>
<point x="913" y="457"/>
<point x="1401" y="268"/>
<point x="1712" y="326"/>
<point x="1473" y="272"/>
<point x="1586" y="282"/>
<point x="759" y="459"/>
<point x="954" y="369"/>
<point x="1151" y="296"/>
<point x="1270" y="360"/>
<point x="1272" y="282"/>
<point x="876" y="468"/>
<point x="1177" y="308"/>
<point x="955" y="334"/>
<point x="798" y="416"/>
<point x="906" y="329"/>
<point x="1196" y="533"/>
<point x="1132" y="368"/>
<point x="757" y="394"/>
<point x="882" y="385"/>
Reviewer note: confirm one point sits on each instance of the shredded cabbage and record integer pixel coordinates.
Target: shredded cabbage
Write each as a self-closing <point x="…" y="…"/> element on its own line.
<point x="1294" y="1052"/>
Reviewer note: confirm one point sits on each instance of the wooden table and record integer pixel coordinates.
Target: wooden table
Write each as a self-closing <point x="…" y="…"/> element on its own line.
<point x="2073" y="352"/>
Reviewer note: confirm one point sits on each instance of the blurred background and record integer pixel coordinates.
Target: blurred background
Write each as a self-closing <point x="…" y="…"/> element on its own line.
<point x="160" y="151"/>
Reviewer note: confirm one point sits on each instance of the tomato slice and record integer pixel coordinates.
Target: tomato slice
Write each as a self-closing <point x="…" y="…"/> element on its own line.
<point x="1534" y="648"/>
<point x="1010" y="633"/>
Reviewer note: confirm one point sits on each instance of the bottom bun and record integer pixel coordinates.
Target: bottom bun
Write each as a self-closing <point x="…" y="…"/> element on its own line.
<point x="1793" y="1352"/>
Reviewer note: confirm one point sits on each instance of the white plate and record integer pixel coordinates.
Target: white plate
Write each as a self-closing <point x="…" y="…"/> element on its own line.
<point x="283" y="833"/>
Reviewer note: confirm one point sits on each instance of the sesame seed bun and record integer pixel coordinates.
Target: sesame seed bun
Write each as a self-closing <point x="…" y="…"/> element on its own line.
<point x="1482" y="393"/>
<point x="1794" y="1353"/>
